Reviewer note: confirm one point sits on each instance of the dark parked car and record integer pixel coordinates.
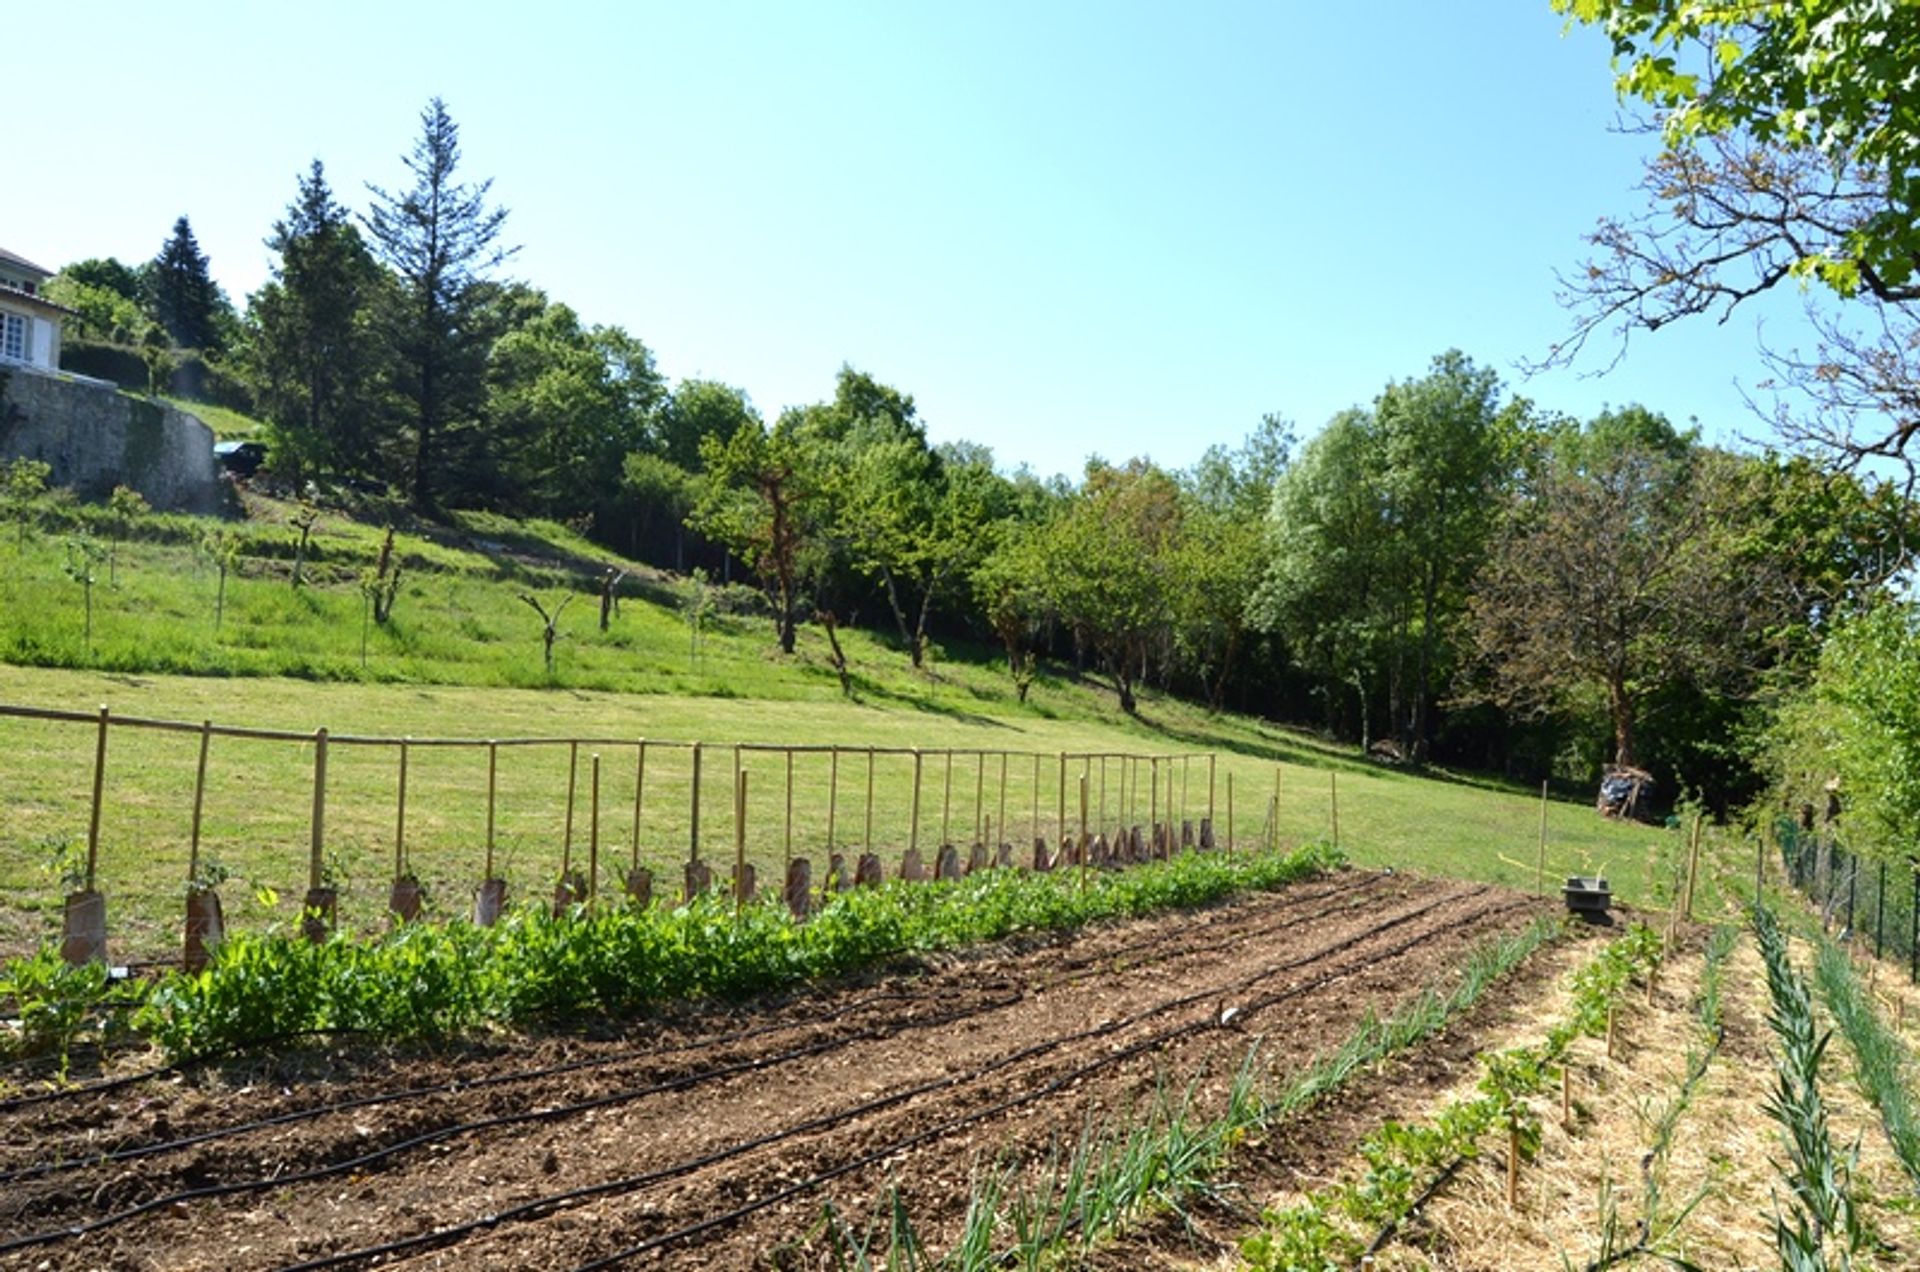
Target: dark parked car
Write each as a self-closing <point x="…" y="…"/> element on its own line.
<point x="242" y="459"/>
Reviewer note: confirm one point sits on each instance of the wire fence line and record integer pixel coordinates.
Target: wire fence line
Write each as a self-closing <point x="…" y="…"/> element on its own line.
<point x="579" y="810"/>
<point x="1873" y="902"/>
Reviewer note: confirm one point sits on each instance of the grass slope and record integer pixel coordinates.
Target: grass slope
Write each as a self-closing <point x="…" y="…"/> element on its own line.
<point x="462" y="659"/>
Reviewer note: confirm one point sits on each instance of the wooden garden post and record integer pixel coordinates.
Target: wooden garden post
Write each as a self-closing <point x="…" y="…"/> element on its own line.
<point x="1210" y="760"/>
<point x="979" y="792"/>
<point x="693" y="802"/>
<point x="1229" y="814"/>
<point x="1540" y="867"/>
<point x="1153" y="806"/>
<point x="946" y="800"/>
<point x="1033" y="817"/>
<point x="566" y="844"/>
<point x="400" y="817"/>
<point x="833" y="794"/>
<point x="639" y="794"/>
<point x="789" y="829"/>
<point x="493" y="786"/>
<point x="1061" y="825"/>
<point x="1084" y="854"/>
<point x="99" y="788"/>
<point x="319" y="821"/>
<point x="913" y="828"/>
<point x="1100" y="820"/>
<point x="1003" y="798"/>
<point x="739" y="843"/>
<point x="867" y="839"/>
<point x="593" y="831"/>
<point x="199" y="802"/>
<point x="1333" y="798"/>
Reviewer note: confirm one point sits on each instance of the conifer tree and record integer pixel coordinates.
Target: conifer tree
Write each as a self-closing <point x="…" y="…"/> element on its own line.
<point x="184" y="295"/>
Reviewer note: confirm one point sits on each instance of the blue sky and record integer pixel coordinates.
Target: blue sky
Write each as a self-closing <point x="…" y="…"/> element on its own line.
<point x="1064" y="228"/>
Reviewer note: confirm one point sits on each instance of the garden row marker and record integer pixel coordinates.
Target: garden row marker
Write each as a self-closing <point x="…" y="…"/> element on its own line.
<point x="205" y="926"/>
<point x="1540" y="866"/>
<point x="1693" y="865"/>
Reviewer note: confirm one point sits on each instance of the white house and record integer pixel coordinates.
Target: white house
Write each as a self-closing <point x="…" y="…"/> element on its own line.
<point x="29" y="322"/>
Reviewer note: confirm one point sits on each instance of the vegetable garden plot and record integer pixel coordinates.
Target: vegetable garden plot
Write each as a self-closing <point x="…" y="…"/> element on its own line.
<point x="748" y="1135"/>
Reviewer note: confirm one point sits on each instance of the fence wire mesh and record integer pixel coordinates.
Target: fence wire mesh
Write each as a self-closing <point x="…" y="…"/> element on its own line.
<point x="1872" y="901"/>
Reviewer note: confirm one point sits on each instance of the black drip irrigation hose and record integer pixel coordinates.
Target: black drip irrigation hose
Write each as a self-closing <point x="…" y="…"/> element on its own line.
<point x="555" y="1113"/>
<point x="458" y="1086"/>
<point x="133" y="1152"/>
<point x="540" y="1205"/>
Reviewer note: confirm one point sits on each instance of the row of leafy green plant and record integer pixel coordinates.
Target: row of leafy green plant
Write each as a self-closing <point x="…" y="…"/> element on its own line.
<point x="429" y="981"/>
<point x="1657" y="1228"/>
<point x="1405" y="1163"/>
<point x="1819" y="1225"/>
<point x="1159" y="1158"/>
<point x="1881" y="1062"/>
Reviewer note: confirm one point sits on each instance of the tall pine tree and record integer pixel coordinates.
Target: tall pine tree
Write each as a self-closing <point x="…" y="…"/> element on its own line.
<point x="184" y="295"/>
<point x="317" y="352"/>
<point x="441" y="239"/>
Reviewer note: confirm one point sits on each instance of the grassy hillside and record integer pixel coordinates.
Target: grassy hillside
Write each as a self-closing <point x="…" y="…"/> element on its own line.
<point x="462" y="658"/>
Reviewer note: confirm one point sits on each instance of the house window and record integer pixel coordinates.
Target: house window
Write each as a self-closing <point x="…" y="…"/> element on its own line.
<point x="13" y="337"/>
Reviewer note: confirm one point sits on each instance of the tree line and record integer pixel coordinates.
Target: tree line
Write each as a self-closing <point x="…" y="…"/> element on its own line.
<point x="1448" y="573"/>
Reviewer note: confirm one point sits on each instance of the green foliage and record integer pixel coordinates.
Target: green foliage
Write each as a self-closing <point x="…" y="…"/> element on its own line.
<point x="1820" y="1220"/>
<point x="1882" y="1063"/>
<point x="1401" y="1161"/>
<point x="185" y="297"/>
<point x="58" y="1005"/>
<point x="1832" y="76"/>
<point x="434" y="980"/>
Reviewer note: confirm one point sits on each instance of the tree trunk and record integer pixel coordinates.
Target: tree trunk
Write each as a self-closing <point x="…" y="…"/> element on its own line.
<point x="1620" y="708"/>
<point x="1417" y="744"/>
<point x="920" y="627"/>
<point x="899" y="614"/>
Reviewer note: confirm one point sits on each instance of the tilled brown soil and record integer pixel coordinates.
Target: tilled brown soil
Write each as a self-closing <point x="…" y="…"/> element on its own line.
<point x="715" y="1138"/>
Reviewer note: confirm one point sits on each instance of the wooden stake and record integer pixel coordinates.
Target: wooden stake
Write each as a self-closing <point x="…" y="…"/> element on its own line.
<point x="400" y="818"/>
<point x="1153" y="805"/>
<point x="493" y="777"/>
<point x="1513" y="1167"/>
<point x="1333" y="796"/>
<point x="1003" y="797"/>
<point x="693" y="800"/>
<point x="1609" y="1031"/>
<point x="739" y="842"/>
<point x="639" y="798"/>
<point x="199" y="801"/>
<point x="1034" y="816"/>
<point x="573" y="769"/>
<point x="1540" y="866"/>
<point x="1060" y="824"/>
<point x="979" y="793"/>
<point x="593" y="831"/>
<point x="833" y="793"/>
<point x="913" y="830"/>
<point x="1100" y="818"/>
<point x="1210" y="817"/>
<point x="319" y="821"/>
<point x="99" y="788"/>
<point x="867" y="842"/>
<point x="1084" y="854"/>
<point x="1566" y="1095"/>
<point x="1693" y="865"/>
<point x="946" y="800"/>
<point x="1186" y="764"/>
<point x="789" y="833"/>
<point x="1229" y="814"/>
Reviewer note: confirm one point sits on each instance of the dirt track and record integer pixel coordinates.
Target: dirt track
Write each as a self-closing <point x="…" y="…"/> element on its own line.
<point x="712" y="1139"/>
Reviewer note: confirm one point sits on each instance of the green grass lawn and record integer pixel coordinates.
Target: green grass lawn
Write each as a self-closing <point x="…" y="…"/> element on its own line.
<point x="462" y="658"/>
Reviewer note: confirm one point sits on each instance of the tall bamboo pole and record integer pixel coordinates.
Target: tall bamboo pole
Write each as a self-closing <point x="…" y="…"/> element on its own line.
<point x="1333" y="797"/>
<point x="573" y="766"/>
<point x="1229" y="813"/>
<point x="1100" y="821"/>
<point x="867" y="841"/>
<point x="979" y="793"/>
<point x="789" y="832"/>
<point x="1084" y="854"/>
<point x="1210" y="816"/>
<point x="1153" y="806"/>
<point x="1033" y="826"/>
<point x="1061" y="824"/>
<point x="946" y="801"/>
<point x="1003" y="795"/>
